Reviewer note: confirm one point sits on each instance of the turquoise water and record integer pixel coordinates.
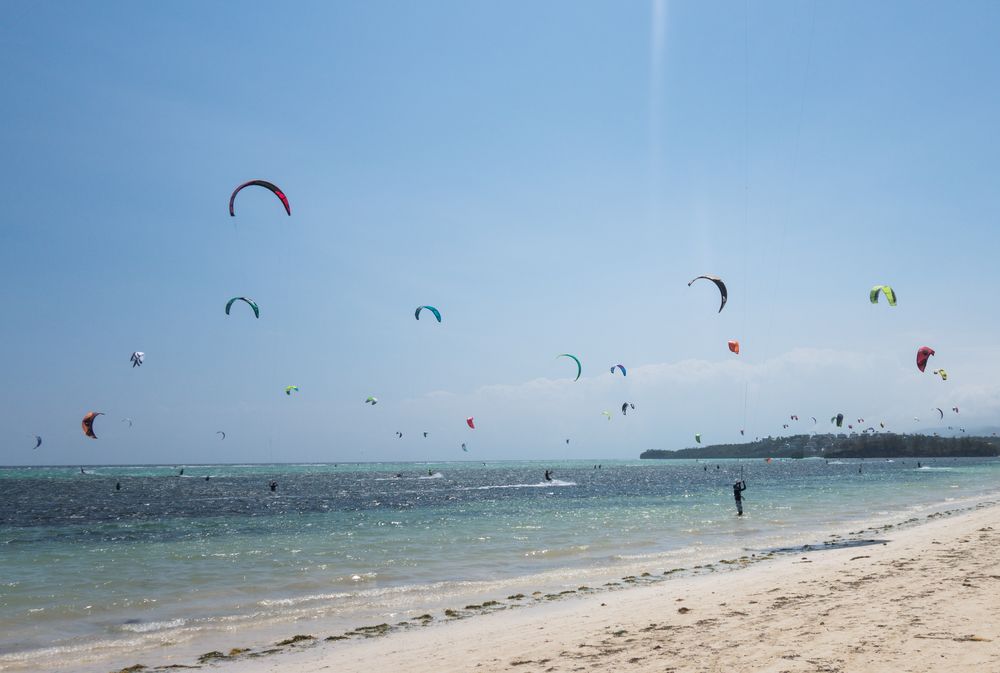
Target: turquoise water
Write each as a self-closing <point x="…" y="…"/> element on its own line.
<point x="88" y="569"/>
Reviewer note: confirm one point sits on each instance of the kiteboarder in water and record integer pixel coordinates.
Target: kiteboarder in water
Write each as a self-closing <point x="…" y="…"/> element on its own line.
<point x="548" y="475"/>
<point x="738" y="489"/>
<point x="273" y="486"/>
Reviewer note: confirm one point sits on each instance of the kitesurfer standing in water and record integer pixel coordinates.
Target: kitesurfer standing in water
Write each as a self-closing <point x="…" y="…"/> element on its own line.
<point x="548" y="475"/>
<point x="738" y="489"/>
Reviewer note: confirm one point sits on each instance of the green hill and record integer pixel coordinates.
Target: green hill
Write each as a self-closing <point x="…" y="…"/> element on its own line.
<point x="883" y="445"/>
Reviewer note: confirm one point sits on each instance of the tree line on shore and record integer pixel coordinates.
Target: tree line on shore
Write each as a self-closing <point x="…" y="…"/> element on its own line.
<point x="882" y="445"/>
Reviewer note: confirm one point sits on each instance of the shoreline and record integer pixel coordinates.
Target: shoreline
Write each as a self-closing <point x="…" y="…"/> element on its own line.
<point x="306" y="648"/>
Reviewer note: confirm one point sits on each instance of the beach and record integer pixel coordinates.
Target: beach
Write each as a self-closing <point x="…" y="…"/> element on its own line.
<point x="917" y="597"/>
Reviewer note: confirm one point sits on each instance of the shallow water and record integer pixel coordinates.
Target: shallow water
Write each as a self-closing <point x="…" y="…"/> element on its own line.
<point x="85" y="568"/>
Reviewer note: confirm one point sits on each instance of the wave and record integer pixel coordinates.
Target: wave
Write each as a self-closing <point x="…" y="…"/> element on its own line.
<point x="146" y="627"/>
<point x="436" y="475"/>
<point x="541" y="484"/>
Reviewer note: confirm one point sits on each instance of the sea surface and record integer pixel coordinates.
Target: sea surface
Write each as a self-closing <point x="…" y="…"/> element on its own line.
<point x="88" y="572"/>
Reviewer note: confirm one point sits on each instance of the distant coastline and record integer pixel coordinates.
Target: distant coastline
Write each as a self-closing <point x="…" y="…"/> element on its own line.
<point x="887" y="445"/>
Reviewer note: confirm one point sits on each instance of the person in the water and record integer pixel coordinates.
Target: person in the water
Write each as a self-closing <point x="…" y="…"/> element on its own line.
<point x="118" y="486"/>
<point x="430" y="473"/>
<point x="548" y="475"/>
<point x="182" y="470"/>
<point x="207" y="477"/>
<point x="273" y="485"/>
<point x="738" y="489"/>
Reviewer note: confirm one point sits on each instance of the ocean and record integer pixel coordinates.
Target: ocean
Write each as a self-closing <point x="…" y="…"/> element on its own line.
<point x="88" y="572"/>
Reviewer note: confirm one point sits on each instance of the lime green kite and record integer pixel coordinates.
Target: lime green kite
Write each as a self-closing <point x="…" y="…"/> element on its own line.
<point x="890" y="294"/>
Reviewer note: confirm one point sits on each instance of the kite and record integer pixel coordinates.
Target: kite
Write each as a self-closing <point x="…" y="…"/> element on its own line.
<point x="741" y="433"/>
<point x="88" y="423"/>
<point x="940" y="412"/>
<point x="955" y="409"/>
<point x="923" y="354"/>
<point x="220" y="432"/>
<point x="137" y="357"/>
<point x="794" y="417"/>
<point x="399" y="435"/>
<point x="371" y="400"/>
<point x="697" y="437"/>
<point x="839" y="420"/>
<point x="425" y="435"/>
<point x="722" y="288"/>
<point x="437" y="313"/>
<point x="814" y="419"/>
<point x="464" y="448"/>
<point x="606" y="413"/>
<point x="250" y="302"/>
<point x="621" y="367"/>
<point x="260" y="183"/>
<point x="942" y="373"/>
<point x="289" y="389"/>
<point x="579" y="367"/>
<point x="471" y="422"/>
<point x="38" y="442"/>
<point x="127" y="420"/>
<point x="625" y="407"/>
<point x="734" y="346"/>
<point x="890" y="294"/>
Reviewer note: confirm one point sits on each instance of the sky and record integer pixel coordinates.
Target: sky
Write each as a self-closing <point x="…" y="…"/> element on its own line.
<point x="549" y="175"/>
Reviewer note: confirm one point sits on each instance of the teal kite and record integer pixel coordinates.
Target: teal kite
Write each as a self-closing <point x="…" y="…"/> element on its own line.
<point x="437" y="313"/>
<point x="250" y="302"/>
<point x="289" y="389"/>
<point x="579" y="367"/>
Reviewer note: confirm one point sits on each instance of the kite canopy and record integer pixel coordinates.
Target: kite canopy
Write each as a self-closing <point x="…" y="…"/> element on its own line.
<point x="471" y="422"/>
<point x="289" y="389"/>
<point x="940" y="412"/>
<point x="697" y="437"/>
<point x="618" y="366"/>
<point x="220" y="432"/>
<point x="814" y="419"/>
<point x="250" y="302"/>
<point x="127" y="420"/>
<point x="923" y="353"/>
<point x="606" y="413"/>
<point x="734" y="346"/>
<point x="579" y="367"/>
<point x="372" y="401"/>
<point x="260" y="183"/>
<point x="437" y="313"/>
<point x="839" y="420"/>
<point x="38" y="442"/>
<point x="955" y="409"/>
<point x="88" y="423"/>
<point x="942" y="373"/>
<point x="890" y="294"/>
<point x="137" y="357"/>
<point x="722" y="288"/>
<point x="626" y="406"/>
<point x="464" y="447"/>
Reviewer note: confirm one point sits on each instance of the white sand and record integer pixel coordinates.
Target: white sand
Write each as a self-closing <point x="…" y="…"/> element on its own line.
<point x="928" y="600"/>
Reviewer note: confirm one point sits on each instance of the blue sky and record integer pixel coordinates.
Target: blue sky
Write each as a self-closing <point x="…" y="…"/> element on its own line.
<point x="550" y="175"/>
